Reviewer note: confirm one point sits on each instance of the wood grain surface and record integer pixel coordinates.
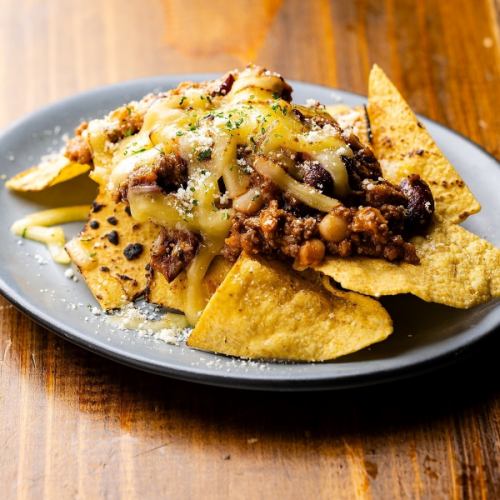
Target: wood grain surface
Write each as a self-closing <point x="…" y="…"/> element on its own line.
<point x="74" y="425"/>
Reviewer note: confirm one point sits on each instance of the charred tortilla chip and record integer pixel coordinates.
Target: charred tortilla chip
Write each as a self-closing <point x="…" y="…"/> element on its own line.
<point x="53" y="170"/>
<point x="265" y="310"/>
<point x="112" y="252"/>
<point x="403" y="146"/>
<point x="457" y="268"/>
<point x="353" y="119"/>
<point x="173" y="295"/>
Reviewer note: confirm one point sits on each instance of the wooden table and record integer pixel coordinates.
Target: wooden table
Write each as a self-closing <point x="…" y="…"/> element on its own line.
<point x="74" y="425"/>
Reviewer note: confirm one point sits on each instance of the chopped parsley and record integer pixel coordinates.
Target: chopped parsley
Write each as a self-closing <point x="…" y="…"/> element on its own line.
<point x="140" y="150"/>
<point x="179" y="133"/>
<point x="277" y="107"/>
<point x="183" y="98"/>
<point x="204" y="154"/>
<point x="233" y="125"/>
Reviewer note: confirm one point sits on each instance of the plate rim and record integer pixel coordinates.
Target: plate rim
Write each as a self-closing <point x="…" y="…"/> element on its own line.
<point x="445" y="355"/>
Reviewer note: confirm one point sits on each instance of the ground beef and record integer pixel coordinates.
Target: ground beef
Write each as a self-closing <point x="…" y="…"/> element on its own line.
<point x="168" y="174"/>
<point x="273" y="232"/>
<point x="376" y="219"/>
<point x="77" y="148"/>
<point x="173" y="251"/>
<point x="369" y="234"/>
<point x="278" y="233"/>
<point x="129" y="122"/>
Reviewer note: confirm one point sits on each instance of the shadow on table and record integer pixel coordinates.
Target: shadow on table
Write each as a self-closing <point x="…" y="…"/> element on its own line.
<point x="99" y="386"/>
<point x="471" y="383"/>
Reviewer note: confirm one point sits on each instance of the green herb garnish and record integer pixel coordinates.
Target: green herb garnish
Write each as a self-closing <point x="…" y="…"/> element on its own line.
<point x="204" y="154"/>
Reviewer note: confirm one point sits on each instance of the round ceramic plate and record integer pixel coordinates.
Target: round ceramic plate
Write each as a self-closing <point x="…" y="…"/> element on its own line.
<point x="425" y="334"/>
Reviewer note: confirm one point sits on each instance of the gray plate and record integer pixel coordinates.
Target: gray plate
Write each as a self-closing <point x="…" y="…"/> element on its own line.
<point x="424" y="335"/>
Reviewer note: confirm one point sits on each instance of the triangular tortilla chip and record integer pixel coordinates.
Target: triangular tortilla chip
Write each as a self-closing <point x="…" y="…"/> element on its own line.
<point x="354" y="119"/>
<point x="403" y="146"/>
<point x="173" y="295"/>
<point x="113" y="279"/>
<point x="53" y="170"/>
<point x="266" y="310"/>
<point x="457" y="268"/>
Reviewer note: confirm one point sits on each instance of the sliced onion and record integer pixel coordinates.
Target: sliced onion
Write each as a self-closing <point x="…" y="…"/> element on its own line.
<point x="306" y="194"/>
<point x="249" y="202"/>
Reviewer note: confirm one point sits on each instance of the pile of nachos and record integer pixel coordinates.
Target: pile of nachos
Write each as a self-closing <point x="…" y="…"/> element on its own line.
<point x="272" y="227"/>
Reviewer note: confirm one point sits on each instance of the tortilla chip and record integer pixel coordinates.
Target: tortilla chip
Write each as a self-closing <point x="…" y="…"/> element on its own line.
<point x="457" y="268"/>
<point x="112" y="278"/>
<point x="354" y="119"/>
<point x="264" y="309"/>
<point x="173" y="295"/>
<point x="403" y="146"/>
<point x="53" y="170"/>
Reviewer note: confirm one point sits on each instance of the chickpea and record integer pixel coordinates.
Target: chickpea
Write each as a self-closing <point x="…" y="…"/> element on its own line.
<point x="333" y="228"/>
<point x="310" y="253"/>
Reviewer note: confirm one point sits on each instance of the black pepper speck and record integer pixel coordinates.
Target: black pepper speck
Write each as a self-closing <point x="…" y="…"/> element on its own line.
<point x="127" y="211"/>
<point x="133" y="251"/>
<point x="113" y="237"/>
<point x="94" y="224"/>
<point x="112" y="220"/>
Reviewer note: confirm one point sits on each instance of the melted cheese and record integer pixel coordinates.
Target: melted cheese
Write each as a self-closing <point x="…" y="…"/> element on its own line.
<point x="205" y="131"/>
